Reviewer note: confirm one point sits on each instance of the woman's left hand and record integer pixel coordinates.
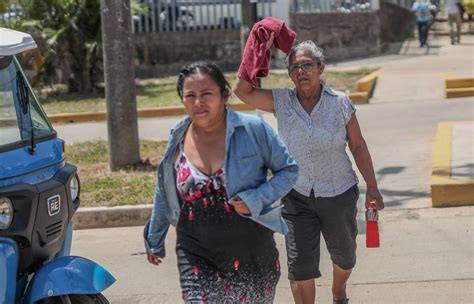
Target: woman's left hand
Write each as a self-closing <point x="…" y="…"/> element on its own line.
<point x="373" y="197"/>
<point x="270" y="41"/>
<point x="239" y="205"/>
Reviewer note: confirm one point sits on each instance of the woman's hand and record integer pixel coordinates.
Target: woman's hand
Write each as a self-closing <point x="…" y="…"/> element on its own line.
<point x="239" y="205"/>
<point x="270" y="41"/>
<point x="153" y="259"/>
<point x="374" y="198"/>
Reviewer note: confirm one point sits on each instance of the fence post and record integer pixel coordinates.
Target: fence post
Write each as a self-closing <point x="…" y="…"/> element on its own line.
<point x="375" y="5"/>
<point x="246" y="25"/>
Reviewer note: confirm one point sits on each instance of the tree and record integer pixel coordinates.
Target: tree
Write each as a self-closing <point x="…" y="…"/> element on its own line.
<point x="68" y="33"/>
<point x="71" y="31"/>
<point x="119" y="84"/>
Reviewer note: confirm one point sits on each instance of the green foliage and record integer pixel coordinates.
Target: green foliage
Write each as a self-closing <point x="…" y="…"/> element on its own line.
<point x="93" y="152"/>
<point x="4" y="5"/>
<point x="100" y="187"/>
<point x="70" y="36"/>
<point x="88" y="152"/>
<point x="14" y="22"/>
<point x="159" y="92"/>
<point x="122" y="190"/>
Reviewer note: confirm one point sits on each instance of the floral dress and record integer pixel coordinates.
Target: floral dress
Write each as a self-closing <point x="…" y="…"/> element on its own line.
<point x="223" y="257"/>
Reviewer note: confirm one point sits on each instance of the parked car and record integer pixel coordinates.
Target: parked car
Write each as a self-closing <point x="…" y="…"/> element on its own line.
<point x="170" y="15"/>
<point x="164" y="16"/>
<point x="39" y="195"/>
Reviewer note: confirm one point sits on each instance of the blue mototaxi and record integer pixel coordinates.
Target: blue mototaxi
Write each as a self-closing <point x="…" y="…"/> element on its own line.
<point x="39" y="195"/>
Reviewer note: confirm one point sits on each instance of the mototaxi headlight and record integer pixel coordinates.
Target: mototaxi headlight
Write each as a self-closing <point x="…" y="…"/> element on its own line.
<point x="74" y="187"/>
<point x="6" y="212"/>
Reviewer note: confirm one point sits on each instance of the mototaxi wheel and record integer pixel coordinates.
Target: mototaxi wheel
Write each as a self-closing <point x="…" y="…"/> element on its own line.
<point x="76" y="299"/>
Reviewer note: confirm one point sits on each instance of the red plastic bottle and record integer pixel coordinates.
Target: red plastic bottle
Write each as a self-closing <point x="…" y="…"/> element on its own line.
<point x="372" y="239"/>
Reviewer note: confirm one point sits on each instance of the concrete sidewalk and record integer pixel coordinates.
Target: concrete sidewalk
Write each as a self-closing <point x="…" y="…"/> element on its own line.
<point x="462" y="162"/>
<point x="426" y="254"/>
<point x="425" y="258"/>
<point x="452" y="180"/>
<point x="407" y="106"/>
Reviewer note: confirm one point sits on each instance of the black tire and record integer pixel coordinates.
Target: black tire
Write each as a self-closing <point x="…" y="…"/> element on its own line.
<point x="76" y="299"/>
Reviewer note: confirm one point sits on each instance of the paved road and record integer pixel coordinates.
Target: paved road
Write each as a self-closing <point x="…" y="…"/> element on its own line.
<point x="426" y="254"/>
<point x="399" y="136"/>
<point x="425" y="258"/>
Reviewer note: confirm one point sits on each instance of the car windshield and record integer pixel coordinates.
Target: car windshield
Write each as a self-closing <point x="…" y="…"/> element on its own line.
<point x="15" y="123"/>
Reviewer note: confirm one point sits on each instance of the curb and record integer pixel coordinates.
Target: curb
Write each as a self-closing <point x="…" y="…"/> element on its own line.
<point x="108" y="217"/>
<point x="141" y="112"/>
<point x="458" y="87"/>
<point x="447" y="33"/>
<point x="365" y="88"/>
<point x="446" y="191"/>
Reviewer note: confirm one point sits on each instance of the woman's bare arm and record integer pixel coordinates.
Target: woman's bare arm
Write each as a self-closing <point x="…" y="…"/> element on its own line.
<point x="261" y="99"/>
<point x="363" y="160"/>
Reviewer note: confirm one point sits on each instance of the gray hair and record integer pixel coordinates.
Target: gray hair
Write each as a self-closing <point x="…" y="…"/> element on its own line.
<point x="307" y="45"/>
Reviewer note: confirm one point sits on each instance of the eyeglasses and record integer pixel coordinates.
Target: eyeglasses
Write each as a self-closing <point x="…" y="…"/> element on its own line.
<point x="305" y="66"/>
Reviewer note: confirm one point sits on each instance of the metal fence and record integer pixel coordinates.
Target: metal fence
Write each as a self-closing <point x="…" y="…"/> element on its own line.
<point x="407" y="3"/>
<point x="10" y="16"/>
<point x="328" y="6"/>
<point x="192" y="15"/>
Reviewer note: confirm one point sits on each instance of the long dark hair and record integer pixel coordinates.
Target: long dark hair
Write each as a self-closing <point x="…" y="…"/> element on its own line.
<point x="204" y="67"/>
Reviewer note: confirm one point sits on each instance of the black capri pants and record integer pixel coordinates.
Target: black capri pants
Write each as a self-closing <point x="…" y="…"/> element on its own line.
<point x="307" y="218"/>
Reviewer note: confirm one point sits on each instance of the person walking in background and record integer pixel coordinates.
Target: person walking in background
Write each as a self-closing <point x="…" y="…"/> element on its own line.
<point x="317" y="123"/>
<point x="454" y="19"/>
<point x="422" y="10"/>
<point x="213" y="186"/>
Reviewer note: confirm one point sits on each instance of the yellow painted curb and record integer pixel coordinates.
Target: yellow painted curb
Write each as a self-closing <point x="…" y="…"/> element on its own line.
<point x="365" y="87"/>
<point x="453" y="83"/>
<point x="366" y="83"/>
<point x="446" y="191"/>
<point x="459" y="92"/>
<point x="240" y="106"/>
<point x="359" y="97"/>
<point x="77" y="117"/>
<point x="141" y="112"/>
<point x="458" y="87"/>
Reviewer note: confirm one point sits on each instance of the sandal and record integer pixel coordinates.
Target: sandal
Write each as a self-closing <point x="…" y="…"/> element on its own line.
<point x="345" y="301"/>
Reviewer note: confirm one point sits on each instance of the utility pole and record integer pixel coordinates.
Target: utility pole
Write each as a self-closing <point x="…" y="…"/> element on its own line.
<point x="122" y="122"/>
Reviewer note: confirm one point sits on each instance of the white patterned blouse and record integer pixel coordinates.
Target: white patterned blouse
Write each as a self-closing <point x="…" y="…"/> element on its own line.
<point x="317" y="141"/>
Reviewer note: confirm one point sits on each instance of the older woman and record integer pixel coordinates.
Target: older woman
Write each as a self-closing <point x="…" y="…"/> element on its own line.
<point x="212" y="184"/>
<point x="317" y="123"/>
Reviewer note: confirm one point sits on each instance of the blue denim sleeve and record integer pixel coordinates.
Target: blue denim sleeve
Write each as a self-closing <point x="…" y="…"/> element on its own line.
<point x="157" y="226"/>
<point x="283" y="167"/>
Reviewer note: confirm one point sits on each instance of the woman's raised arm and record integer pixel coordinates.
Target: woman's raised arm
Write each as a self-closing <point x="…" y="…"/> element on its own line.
<point x="261" y="99"/>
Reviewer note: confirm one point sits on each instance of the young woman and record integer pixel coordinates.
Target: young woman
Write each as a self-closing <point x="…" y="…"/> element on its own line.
<point x="212" y="184"/>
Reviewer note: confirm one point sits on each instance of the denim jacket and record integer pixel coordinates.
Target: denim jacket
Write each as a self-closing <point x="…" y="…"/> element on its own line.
<point x="252" y="147"/>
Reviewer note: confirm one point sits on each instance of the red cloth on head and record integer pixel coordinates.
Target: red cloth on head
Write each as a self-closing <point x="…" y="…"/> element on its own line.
<point x="256" y="58"/>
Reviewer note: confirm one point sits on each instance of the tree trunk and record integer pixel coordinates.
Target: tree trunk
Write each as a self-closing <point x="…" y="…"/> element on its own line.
<point x="124" y="149"/>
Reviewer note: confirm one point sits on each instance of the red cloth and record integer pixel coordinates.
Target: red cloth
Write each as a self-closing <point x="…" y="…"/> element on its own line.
<point x="256" y="58"/>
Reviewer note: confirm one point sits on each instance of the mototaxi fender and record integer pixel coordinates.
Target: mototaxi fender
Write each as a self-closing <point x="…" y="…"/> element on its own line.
<point x="8" y="269"/>
<point x="68" y="275"/>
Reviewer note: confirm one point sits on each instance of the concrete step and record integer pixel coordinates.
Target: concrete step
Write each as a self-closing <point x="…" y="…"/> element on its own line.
<point x="459" y="92"/>
<point x="452" y="178"/>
